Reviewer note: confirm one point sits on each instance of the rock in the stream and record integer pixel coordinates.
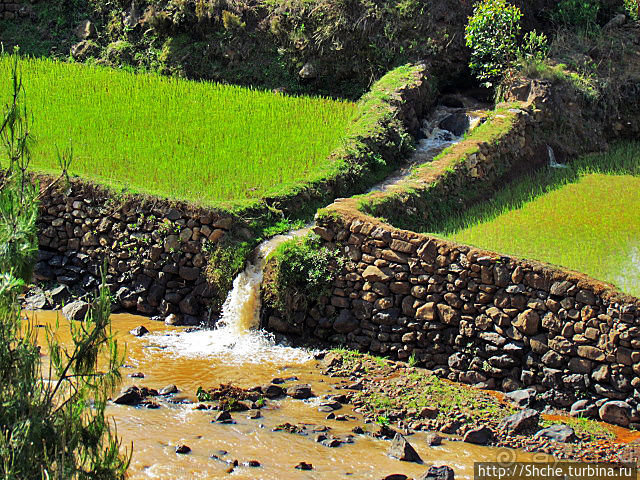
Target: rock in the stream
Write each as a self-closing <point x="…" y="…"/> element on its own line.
<point x="479" y="436"/>
<point x="383" y="431"/>
<point x="300" y="392"/>
<point x="134" y="395"/>
<point x="433" y="440"/>
<point x="137" y="375"/>
<point x="58" y="295"/>
<point x="521" y="422"/>
<point x="272" y="391"/>
<point x="129" y="396"/>
<point x="254" y="414"/>
<point x="443" y="472"/>
<point x="222" y="417"/>
<point x="396" y="476"/>
<point x="522" y="398"/>
<point x="402" y="450"/>
<point x="329" y="406"/>
<point x="173" y="319"/>
<point x="168" y="390"/>
<point x="35" y="301"/>
<point x="456" y="123"/>
<point x="75" y="310"/>
<point x="304" y="466"/>
<point x="139" y="331"/>
<point x="557" y="432"/>
<point x="183" y="449"/>
<point x="616" y="412"/>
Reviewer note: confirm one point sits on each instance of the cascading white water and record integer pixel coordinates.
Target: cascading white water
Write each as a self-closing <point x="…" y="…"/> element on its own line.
<point x="236" y="338"/>
<point x="435" y="141"/>
<point x="552" y="159"/>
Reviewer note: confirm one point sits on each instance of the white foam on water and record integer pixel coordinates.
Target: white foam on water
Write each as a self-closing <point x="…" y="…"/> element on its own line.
<point x="236" y="338"/>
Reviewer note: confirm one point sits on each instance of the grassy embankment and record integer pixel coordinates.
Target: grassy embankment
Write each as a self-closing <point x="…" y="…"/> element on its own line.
<point x="586" y="218"/>
<point x="197" y="141"/>
<point x="401" y="391"/>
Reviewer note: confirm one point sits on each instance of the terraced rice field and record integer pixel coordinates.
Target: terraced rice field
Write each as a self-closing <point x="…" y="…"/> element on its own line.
<point x="579" y="219"/>
<point x="197" y="141"/>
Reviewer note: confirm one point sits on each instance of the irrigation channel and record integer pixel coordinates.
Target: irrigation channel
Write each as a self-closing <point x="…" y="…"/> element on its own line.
<point x="235" y="351"/>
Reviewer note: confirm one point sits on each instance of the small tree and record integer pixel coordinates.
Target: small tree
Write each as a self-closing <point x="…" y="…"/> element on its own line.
<point x="53" y="425"/>
<point x="492" y="34"/>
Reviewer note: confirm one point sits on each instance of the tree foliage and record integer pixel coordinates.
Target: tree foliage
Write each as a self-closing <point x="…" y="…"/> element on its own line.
<point x="52" y="420"/>
<point x="492" y="34"/>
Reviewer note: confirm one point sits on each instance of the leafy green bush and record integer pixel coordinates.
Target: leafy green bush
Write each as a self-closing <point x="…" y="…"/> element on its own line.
<point x="302" y="271"/>
<point x="534" y="46"/>
<point x="577" y="13"/>
<point x="633" y="9"/>
<point x="492" y="34"/>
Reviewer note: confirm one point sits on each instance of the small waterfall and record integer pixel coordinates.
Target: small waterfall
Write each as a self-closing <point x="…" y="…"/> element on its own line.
<point x="552" y="159"/>
<point x="236" y="339"/>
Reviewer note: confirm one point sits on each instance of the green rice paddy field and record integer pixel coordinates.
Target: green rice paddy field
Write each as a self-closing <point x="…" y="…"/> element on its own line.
<point x="586" y="218"/>
<point x="197" y="141"/>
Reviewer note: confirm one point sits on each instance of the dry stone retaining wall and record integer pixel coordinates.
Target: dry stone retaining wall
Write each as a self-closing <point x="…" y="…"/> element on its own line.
<point x="155" y="250"/>
<point x="479" y="317"/>
<point x="10" y="9"/>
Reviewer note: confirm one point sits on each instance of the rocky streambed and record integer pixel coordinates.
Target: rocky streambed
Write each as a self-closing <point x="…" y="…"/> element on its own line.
<point x="205" y="404"/>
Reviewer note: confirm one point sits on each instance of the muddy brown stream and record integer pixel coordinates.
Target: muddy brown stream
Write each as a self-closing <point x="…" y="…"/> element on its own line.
<point x="172" y="355"/>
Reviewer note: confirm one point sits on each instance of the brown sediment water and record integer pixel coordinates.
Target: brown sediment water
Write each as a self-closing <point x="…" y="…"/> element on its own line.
<point x="173" y="355"/>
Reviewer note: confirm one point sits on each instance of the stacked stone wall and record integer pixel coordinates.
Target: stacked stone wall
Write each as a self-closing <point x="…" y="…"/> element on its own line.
<point x="474" y="316"/>
<point x="477" y="317"/>
<point x="155" y="250"/>
<point x="10" y="9"/>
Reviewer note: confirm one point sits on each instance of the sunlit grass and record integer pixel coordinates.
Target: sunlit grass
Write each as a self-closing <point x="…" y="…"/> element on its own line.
<point x="586" y="218"/>
<point x="183" y="139"/>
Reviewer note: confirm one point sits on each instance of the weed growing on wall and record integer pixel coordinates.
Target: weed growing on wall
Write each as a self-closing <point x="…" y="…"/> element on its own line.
<point x="302" y="271"/>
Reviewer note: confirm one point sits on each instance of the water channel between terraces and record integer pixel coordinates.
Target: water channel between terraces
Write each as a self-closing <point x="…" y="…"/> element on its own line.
<point x="238" y="353"/>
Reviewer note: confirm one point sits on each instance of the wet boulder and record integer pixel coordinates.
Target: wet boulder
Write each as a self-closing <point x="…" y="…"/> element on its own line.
<point x="75" y="310"/>
<point x="402" y="450"/>
<point x="479" y="436"/>
<point x="168" y="390"/>
<point x="272" y="391"/>
<point x="456" y="123"/>
<point x="300" y="392"/>
<point x="134" y="395"/>
<point x="433" y="440"/>
<point x="139" y="331"/>
<point x="222" y="417"/>
<point x="443" y="472"/>
<point x="183" y="449"/>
